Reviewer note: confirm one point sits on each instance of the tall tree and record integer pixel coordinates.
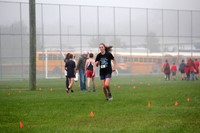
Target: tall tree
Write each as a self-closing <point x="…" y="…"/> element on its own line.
<point x="153" y="42"/>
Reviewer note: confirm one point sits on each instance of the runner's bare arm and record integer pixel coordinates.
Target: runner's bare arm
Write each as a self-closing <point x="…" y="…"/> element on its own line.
<point x="114" y="65"/>
<point x="97" y="63"/>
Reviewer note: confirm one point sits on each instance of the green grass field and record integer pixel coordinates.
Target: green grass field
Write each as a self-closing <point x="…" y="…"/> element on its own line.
<point x="54" y="111"/>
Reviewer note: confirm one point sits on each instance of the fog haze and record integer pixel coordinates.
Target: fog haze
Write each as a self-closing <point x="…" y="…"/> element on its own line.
<point x="159" y="4"/>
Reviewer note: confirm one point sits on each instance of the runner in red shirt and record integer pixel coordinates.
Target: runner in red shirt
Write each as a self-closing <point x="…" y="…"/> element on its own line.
<point x="187" y="72"/>
<point x="196" y="62"/>
<point x="173" y="69"/>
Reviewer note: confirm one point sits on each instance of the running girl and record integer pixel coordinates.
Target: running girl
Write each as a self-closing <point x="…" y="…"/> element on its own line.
<point x="104" y="60"/>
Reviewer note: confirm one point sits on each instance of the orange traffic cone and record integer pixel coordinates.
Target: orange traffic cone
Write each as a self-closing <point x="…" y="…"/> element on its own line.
<point x="188" y="99"/>
<point x="21" y="125"/>
<point x="176" y="103"/>
<point x="134" y="87"/>
<point x="149" y="104"/>
<point x="118" y="86"/>
<point x="91" y="114"/>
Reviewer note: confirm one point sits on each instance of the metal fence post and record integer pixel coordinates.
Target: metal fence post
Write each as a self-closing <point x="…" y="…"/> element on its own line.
<point x="32" y="60"/>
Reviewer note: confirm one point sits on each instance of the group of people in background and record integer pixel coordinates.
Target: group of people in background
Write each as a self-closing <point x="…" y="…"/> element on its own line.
<point x="189" y="70"/>
<point x="73" y="68"/>
<point x="86" y="68"/>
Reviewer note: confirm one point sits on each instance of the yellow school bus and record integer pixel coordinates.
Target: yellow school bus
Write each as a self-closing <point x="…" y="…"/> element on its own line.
<point x="142" y="64"/>
<point x="53" y="61"/>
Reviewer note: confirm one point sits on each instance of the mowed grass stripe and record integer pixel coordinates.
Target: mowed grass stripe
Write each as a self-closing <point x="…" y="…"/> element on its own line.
<point x="50" y="109"/>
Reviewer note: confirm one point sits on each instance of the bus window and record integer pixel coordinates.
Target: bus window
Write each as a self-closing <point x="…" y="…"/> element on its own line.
<point x="125" y="59"/>
<point x="121" y="59"/>
<point x="132" y="59"/>
<point x="159" y="61"/>
<point x="60" y="57"/>
<point x="41" y="56"/>
<point x="141" y="59"/>
<point x="135" y="59"/>
<point x="50" y="57"/>
<point x="129" y="59"/>
<point x="118" y="59"/>
<point x="154" y="59"/>
<point x="174" y="60"/>
<point x="54" y="57"/>
<point x="145" y="59"/>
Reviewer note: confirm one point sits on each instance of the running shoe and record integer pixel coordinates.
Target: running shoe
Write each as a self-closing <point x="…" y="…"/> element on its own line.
<point x="67" y="90"/>
<point x="110" y="98"/>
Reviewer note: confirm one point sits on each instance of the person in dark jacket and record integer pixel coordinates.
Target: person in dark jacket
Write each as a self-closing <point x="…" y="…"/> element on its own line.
<point x="181" y="69"/>
<point x="166" y="70"/>
<point x="81" y="69"/>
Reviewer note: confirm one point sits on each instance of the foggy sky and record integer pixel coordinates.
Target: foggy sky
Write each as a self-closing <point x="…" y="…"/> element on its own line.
<point x="158" y="4"/>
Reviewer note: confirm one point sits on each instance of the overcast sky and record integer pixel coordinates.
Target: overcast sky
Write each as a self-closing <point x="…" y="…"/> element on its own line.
<point x="159" y="4"/>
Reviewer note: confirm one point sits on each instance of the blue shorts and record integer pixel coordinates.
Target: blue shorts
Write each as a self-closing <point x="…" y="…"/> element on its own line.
<point x="107" y="76"/>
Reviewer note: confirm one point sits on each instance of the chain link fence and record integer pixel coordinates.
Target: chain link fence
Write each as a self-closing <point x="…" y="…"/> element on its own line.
<point x="142" y="38"/>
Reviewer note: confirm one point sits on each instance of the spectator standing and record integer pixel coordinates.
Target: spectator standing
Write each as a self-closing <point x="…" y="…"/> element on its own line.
<point x="196" y="62"/>
<point x="81" y="70"/>
<point x="192" y="70"/>
<point x="181" y="69"/>
<point x="166" y="70"/>
<point x="173" y="70"/>
<point x="187" y="72"/>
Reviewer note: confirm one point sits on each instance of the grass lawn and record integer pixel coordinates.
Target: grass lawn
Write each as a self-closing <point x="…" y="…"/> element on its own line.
<point x="50" y="109"/>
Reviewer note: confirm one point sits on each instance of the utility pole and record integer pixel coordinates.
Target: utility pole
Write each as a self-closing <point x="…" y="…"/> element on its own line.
<point x="32" y="56"/>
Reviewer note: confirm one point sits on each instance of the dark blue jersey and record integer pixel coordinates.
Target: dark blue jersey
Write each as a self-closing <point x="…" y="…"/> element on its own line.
<point x="70" y="64"/>
<point x="105" y="63"/>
